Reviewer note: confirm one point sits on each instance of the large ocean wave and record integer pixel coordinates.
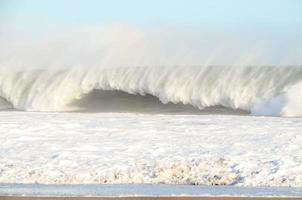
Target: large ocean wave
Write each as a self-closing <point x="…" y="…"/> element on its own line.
<point x="121" y="68"/>
<point x="258" y="90"/>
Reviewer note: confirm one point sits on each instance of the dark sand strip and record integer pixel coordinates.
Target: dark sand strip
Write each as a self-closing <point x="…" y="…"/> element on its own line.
<point x="146" y="198"/>
<point x="143" y="192"/>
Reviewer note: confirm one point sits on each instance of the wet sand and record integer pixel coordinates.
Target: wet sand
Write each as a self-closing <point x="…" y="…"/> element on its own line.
<point x="143" y="192"/>
<point x="147" y="198"/>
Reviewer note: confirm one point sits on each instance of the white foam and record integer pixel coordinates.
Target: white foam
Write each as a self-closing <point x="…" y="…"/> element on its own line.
<point x="66" y="148"/>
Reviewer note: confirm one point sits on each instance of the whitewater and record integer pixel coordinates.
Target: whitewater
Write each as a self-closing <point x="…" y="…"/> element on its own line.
<point x="171" y="125"/>
<point x="115" y="148"/>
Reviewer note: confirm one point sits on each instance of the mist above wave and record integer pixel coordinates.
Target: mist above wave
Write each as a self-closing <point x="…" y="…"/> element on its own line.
<point x="128" y="46"/>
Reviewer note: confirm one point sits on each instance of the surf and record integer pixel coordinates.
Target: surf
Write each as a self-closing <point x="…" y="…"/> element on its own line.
<point x="257" y="90"/>
<point x="154" y="70"/>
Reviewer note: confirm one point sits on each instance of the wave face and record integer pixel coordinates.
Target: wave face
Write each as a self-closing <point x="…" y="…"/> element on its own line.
<point x="259" y="90"/>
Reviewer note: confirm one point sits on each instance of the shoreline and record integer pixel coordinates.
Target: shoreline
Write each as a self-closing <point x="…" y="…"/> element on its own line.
<point x="143" y="191"/>
<point x="147" y="198"/>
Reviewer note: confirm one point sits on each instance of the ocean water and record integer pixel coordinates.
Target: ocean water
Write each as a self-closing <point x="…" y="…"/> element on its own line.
<point x="126" y="106"/>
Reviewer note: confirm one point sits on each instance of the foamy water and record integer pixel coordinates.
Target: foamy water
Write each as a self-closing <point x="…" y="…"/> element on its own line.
<point x="146" y="148"/>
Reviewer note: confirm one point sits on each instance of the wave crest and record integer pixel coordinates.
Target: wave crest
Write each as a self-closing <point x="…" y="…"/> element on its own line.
<point x="262" y="90"/>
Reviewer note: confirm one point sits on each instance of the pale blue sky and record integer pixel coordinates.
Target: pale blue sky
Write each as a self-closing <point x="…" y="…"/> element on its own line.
<point x="256" y="31"/>
<point x="275" y="14"/>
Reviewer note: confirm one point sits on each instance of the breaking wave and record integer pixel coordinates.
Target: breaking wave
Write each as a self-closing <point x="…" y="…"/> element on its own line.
<point x="258" y="90"/>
